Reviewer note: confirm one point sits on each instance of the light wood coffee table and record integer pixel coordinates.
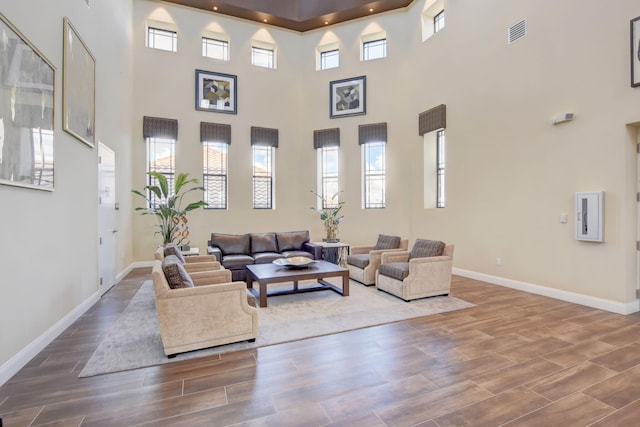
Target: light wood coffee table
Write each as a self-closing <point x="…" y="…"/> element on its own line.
<point x="266" y="274"/>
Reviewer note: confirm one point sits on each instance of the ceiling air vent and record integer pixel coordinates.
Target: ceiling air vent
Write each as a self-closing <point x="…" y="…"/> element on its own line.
<point x="517" y="31"/>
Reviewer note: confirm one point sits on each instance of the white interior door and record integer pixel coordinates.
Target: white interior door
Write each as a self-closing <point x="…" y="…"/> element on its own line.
<point x="107" y="216"/>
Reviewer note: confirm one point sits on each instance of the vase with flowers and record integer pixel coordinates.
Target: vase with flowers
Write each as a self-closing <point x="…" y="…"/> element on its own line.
<point x="330" y="215"/>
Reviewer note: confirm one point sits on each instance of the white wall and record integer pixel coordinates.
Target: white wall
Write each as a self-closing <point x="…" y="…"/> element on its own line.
<point x="50" y="252"/>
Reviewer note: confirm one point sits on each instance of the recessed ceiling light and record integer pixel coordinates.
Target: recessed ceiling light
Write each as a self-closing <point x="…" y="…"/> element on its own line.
<point x="215" y="7"/>
<point x="264" y="20"/>
<point x="326" y="22"/>
<point x="371" y="10"/>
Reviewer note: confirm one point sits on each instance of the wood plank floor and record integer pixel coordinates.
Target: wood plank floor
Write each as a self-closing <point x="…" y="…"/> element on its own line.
<point x="516" y="359"/>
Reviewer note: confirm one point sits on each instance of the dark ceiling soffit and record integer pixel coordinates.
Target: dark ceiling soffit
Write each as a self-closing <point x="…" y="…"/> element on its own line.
<point x="297" y="15"/>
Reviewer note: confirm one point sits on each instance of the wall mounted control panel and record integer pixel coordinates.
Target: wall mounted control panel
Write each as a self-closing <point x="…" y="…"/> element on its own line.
<point x="589" y="216"/>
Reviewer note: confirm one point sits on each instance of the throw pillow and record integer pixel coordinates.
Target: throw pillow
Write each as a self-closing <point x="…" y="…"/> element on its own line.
<point x="173" y="249"/>
<point x="176" y="275"/>
<point x="387" y="242"/>
<point x="425" y="248"/>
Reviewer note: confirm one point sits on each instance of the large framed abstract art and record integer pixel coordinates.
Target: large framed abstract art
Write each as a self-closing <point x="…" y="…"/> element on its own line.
<point x="347" y="97"/>
<point x="27" y="86"/>
<point x="216" y="92"/>
<point x="78" y="87"/>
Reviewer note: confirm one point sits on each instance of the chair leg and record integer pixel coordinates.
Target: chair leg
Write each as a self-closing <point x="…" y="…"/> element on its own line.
<point x="171" y="356"/>
<point x="252" y="340"/>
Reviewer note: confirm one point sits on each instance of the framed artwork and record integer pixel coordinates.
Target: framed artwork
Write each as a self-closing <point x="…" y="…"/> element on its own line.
<point x="27" y="86"/>
<point x="78" y="87"/>
<point x="216" y="92"/>
<point x="635" y="52"/>
<point x="348" y="97"/>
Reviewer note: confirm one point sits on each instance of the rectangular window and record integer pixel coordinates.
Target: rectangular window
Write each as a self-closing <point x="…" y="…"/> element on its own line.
<point x="215" y="176"/>
<point x="262" y="57"/>
<point x="216" y="49"/>
<point x="329" y="59"/>
<point x="374" y="49"/>
<point x="161" y="159"/>
<point x="162" y="39"/>
<point x="440" y="162"/>
<point x="263" y="177"/>
<point x="373" y="159"/>
<point x="438" y="22"/>
<point x="328" y="167"/>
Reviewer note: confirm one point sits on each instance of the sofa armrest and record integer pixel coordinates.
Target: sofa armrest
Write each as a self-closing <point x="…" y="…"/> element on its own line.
<point x="202" y="266"/>
<point x="314" y="249"/>
<point x="215" y="251"/>
<point x="200" y="258"/>
<point x="394" y="256"/>
<point x="375" y="256"/>
<point x="203" y="278"/>
<point x="358" y="250"/>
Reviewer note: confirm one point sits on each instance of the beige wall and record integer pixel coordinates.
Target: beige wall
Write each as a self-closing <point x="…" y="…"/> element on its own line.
<point x="49" y="256"/>
<point x="510" y="174"/>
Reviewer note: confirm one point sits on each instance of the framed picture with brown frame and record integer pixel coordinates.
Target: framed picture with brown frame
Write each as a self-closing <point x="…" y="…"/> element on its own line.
<point x="635" y="52"/>
<point x="78" y="87"/>
<point x="347" y="97"/>
<point x="27" y="104"/>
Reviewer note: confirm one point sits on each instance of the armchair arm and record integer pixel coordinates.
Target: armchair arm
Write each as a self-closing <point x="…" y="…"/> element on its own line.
<point x="205" y="289"/>
<point x="202" y="266"/>
<point x="200" y="258"/>
<point x="394" y="256"/>
<point x="421" y="265"/>
<point x="203" y="278"/>
<point x="314" y="249"/>
<point x="215" y="251"/>
<point x="358" y="250"/>
<point x="375" y="256"/>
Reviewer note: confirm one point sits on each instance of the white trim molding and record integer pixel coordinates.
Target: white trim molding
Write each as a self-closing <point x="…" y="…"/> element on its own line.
<point x="589" y="301"/>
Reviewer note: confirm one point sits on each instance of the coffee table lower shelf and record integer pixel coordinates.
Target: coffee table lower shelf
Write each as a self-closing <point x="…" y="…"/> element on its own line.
<point x="266" y="274"/>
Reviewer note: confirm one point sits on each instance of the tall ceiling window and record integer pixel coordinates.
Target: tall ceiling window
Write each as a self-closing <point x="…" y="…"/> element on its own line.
<point x="160" y="136"/>
<point x="438" y="22"/>
<point x="264" y="142"/>
<point x="373" y="139"/>
<point x="327" y="144"/>
<point x="215" y="139"/>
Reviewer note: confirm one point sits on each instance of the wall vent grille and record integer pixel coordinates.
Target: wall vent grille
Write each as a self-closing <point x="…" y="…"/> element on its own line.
<point x="517" y="31"/>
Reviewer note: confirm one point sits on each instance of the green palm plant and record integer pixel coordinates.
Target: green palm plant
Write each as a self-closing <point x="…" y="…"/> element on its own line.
<point x="330" y="216"/>
<point x="168" y="204"/>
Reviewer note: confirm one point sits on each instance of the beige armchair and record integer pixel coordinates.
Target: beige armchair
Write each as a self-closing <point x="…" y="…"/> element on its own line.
<point x="423" y="272"/>
<point x="191" y="263"/>
<point x="363" y="261"/>
<point x="214" y="311"/>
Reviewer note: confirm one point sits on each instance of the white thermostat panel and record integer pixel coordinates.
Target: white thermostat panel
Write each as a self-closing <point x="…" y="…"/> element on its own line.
<point x="589" y="216"/>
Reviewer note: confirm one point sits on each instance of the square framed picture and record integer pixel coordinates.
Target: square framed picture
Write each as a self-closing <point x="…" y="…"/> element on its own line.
<point x="635" y="52"/>
<point x="78" y="87"/>
<point x="348" y="97"/>
<point x="216" y="92"/>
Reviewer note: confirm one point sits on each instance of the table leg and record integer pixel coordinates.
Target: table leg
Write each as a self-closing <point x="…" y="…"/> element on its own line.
<point x="295" y="285"/>
<point x="345" y="286"/>
<point x="263" y="294"/>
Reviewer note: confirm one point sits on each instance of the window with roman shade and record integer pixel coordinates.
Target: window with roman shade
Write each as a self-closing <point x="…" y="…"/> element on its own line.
<point x="327" y="144"/>
<point x="215" y="139"/>
<point x="431" y="126"/>
<point x="264" y="141"/>
<point x="373" y="139"/>
<point x="160" y="135"/>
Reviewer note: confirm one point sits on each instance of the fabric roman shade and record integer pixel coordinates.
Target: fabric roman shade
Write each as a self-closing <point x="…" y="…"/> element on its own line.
<point x="375" y="132"/>
<point x="215" y="132"/>
<point x="326" y="138"/>
<point x="433" y="119"/>
<point x="264" y="136"/>
<point x="158" y="127"/>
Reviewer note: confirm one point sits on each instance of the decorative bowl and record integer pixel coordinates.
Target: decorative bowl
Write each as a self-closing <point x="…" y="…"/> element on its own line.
<point x="294" y="262"/>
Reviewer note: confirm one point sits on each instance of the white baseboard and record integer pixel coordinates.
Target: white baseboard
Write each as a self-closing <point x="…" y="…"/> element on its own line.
<point x="18" y="361"/>
<point x="589" y="301"/>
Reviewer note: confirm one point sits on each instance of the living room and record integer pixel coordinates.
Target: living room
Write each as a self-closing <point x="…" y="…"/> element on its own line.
<point x="511" y="175"/>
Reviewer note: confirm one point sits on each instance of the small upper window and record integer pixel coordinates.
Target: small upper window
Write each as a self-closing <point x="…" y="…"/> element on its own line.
<point x="162" y="39"/>
<point x="438" y="22"/>
<point x="216" y="49"/>
<point x="329" y="59"/>
<point x="374" y="49"/>
<point x="262" y="57"/>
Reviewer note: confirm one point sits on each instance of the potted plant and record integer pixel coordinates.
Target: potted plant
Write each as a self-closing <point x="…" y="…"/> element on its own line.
<point x="330" y="217"/>
<point x="172" y="219"/>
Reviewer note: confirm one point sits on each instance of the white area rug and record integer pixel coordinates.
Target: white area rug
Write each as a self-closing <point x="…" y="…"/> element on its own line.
<point x="134" y="341"/>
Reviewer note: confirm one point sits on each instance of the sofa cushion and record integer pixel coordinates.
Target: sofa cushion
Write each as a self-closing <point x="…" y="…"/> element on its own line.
<point x="236" y="262"/>
<point x="387" y="242"/>
<point x="231" y="244"/>
<point x="176" y="275"/>
<point x="173" y="249"/>
<point x="395" y="270"/>
<point x="263" y="242"/>
<point x="358" y="260"/>
<point x="265" y="257"/>
<point x="426" y="248"/>
<point x="292" y="240"/>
